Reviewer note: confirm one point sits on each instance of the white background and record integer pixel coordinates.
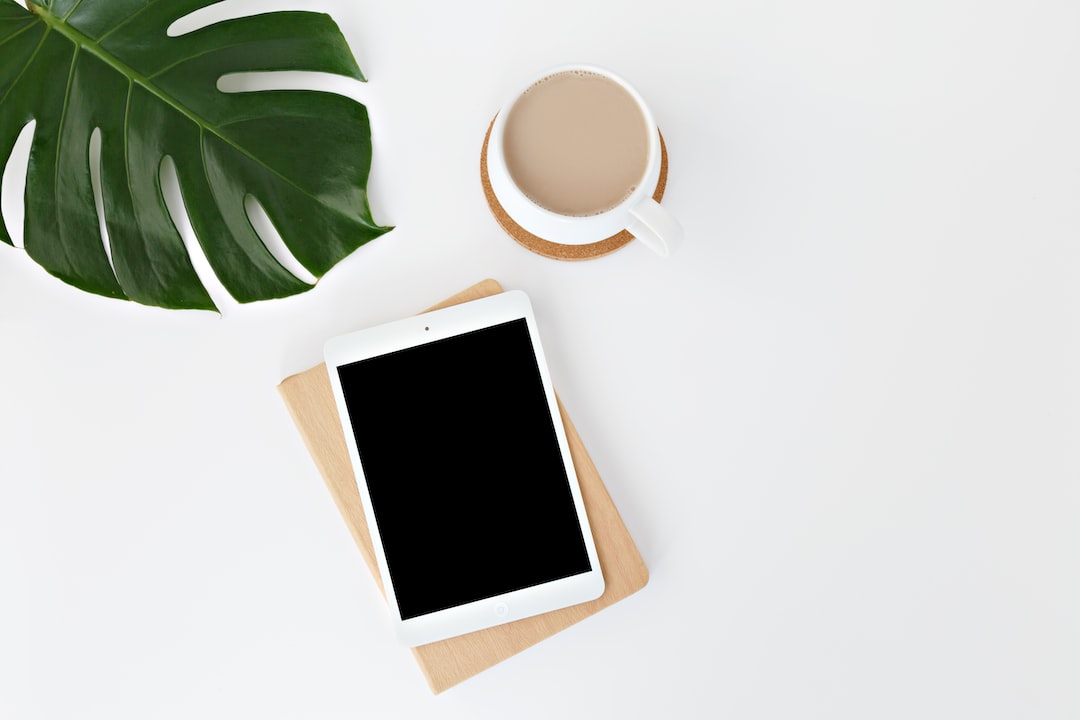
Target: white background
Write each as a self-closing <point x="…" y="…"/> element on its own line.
<point x="842" y="422"/>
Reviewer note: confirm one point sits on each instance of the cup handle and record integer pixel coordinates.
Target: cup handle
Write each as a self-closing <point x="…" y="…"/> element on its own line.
<point x="655" y="226"/>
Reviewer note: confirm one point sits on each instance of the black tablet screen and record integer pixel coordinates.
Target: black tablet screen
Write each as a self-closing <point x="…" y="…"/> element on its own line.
<point x="463" y="468"/>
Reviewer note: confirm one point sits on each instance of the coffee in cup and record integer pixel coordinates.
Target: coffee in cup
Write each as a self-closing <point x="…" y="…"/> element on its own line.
<point x="576" y="143"/>
<point x="575" y="158"/>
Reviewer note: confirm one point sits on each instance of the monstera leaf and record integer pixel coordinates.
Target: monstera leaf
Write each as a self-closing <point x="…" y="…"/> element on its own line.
<point x="80" y="66"/>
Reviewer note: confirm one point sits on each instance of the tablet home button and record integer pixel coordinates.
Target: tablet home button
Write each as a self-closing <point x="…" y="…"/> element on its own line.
<point x="502" y="609"/>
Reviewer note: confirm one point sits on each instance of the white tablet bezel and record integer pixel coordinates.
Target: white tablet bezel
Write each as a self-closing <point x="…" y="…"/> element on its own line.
<point x="419" y="330"/>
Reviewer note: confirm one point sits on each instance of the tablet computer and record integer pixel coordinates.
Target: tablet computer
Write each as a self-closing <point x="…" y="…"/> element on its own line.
<point x="461" y="460"/>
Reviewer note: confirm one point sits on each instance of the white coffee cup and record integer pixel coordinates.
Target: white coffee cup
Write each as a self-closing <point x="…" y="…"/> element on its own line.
<point x="638" y="213"/>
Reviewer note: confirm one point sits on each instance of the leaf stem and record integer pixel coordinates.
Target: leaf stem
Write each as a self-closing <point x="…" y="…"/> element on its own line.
<point x="81" y="40"/>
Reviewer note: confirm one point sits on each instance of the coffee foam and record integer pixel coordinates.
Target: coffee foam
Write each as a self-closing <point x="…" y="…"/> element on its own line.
<point x="576" y="143"/>
<point x="578" y="73"/>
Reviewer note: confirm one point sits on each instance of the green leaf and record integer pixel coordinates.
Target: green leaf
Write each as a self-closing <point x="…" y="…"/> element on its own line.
<point x="79" y="65"/>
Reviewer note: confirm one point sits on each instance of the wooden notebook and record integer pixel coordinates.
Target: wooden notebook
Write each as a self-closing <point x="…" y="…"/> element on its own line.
<point x="448" y="662"/>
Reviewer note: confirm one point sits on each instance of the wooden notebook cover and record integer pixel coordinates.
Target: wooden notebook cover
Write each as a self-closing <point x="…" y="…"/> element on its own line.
<point x="447" y="662"/>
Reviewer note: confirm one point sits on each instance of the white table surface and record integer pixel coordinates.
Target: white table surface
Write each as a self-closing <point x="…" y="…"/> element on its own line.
<point x="842" y="422"/>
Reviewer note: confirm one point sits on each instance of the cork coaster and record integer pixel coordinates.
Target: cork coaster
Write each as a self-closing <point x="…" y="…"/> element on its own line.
<point x="548" y="248"/>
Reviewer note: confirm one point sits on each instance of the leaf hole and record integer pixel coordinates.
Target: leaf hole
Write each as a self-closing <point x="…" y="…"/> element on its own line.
<point x="290" y="80"/>
<point x="271" y="238"/>
<point x="226" y="10"/>
<point x="94" y="158"/>
<point x="174" y="201"/>
<point x="13" y="184"/>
